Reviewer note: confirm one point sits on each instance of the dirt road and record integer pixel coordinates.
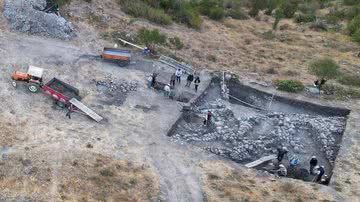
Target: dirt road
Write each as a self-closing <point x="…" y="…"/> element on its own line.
<point x="130" y="132"/>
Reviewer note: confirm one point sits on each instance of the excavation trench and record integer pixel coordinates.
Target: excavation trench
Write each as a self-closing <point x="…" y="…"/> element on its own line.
<point x="244" y="133"/>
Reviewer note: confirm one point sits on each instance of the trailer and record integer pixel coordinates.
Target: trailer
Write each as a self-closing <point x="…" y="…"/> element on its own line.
<point x="61" y="92"/>
<point x="119" y="56"/>
<point x="64" y="94"/>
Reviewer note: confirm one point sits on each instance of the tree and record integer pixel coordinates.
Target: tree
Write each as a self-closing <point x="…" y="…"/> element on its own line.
<point x="325" y="68"/>
<point x="278" y="16"/>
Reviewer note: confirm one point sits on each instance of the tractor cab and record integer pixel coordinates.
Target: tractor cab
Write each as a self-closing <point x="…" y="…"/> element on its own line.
<point x="33" y="77"/>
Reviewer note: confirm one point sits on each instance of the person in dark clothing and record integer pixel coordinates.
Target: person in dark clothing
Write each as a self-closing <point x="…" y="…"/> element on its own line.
<point x="325" y="180"/>
<point x="172" y="80"/>
<point x="281" y="153"/>
<point x="189" y="80"/>
<point x="208" y="118"/>
<point x="68" y="114"/>
<point x="197" y="82"/>
<point x="319" y="84"/>
<point x="321" y="173"/>
<point x="313" y="163"/>
<point x="153" y="81"/>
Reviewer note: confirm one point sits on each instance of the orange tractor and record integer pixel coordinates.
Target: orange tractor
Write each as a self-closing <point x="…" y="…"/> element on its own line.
<point x="33" y="77"/>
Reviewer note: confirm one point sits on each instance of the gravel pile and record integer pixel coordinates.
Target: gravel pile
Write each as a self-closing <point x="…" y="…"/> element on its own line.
<point x="252" y="137"/>
<point x="28" y="16"/>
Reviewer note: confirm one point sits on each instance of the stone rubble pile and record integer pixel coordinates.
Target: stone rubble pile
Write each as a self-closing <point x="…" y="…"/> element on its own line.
<point x="28" y="16"/>
<point x="122" y="86"/>
<point x="255" y="136"/>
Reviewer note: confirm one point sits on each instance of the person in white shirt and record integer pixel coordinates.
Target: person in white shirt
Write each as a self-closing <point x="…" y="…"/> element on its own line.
<point x="167" y="90"/>
<point x="178" y="74"/>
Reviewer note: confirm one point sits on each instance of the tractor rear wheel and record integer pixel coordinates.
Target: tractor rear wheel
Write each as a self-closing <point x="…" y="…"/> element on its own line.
<point x="33" y="87"/>
<point x="60" y="104"/>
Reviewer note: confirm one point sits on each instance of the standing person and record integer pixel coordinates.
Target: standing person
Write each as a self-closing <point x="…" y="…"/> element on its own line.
<point x="178" y="75"/>
<point x="281" y="153"/>
<point x="197" y="82"/>
<point x="313" y="163"/>
<point x="68" y="114"/>
<point x="172" y="80"/>
<point x="320" y="174"/>
<point x="208" y="118"/>
<point x="167" y="90"/>
<point x="189" y="79"/>
<point x="153" y="81"/>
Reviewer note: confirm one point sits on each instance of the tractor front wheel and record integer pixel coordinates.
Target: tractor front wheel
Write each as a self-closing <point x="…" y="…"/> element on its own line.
<point x="33" y="87"/>
<point x="60" y="104"/>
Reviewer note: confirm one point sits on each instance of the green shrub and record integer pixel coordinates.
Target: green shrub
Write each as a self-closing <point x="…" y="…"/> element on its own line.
<point x="177" y="43"/>
<point x="217" y="13"/>
<point x="300" y="18"/>
<point x="60" y="3"/>
<point x="292" y="86"/>
<point x="138" y="8"/>
<point x="340" y="91"/>
<point x="354" y="25"/>
<point x="325" y="68"/>
<point x="352" y="12"/>
<point x="237" y="13"/>
<point x="289" y="8"/>
<point x="187" y="15"/>
<point x="350" y="80"/>
<point x="278" y="16"/>
<point x="350" y="2"/>
<point x="309" y="7"/>
<point x="356" y="36"/>
<point x="146" y="36"/>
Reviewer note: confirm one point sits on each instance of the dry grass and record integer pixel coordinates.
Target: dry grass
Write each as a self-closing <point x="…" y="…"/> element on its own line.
<point x="243" y="185"/>
<point x="239" y="45"/>
<point x="84" y="177"/>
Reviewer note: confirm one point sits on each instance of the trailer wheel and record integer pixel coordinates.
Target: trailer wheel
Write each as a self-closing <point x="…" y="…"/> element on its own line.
<point x="60" y="104"/>
<point x="123" y="63"/>
<point x="33" y="87"/>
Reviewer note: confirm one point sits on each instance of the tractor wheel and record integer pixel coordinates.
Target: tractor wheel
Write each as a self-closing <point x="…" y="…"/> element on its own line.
<point x="33" y="87"/>
<point x="60" y="104"/>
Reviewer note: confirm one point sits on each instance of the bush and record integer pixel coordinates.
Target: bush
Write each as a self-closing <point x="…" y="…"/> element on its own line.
<point x="309" y="8"/>
<point x="146" y="36"/>
<point x="238" y="13"/>
<point x="350" y="2"/>
<point x="354" y="25"/>
<point x="217" y="13"/>
<point x="303" y="18"/>
<point x="319" y="25"/>
<point x="341" y="92"/>
<point x="325" y="68"/>
<point x="138" y="8"/>
<point x="60" y="3"/>
<point x="350" y="80"/>
<point x="289" y="8"/>
<point x="292" y="86"/>
<point x="176" y="42"/>
<point x="356" y="36"/>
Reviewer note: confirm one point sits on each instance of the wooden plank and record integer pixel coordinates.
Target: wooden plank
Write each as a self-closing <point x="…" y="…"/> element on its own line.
<point x="85" y="109"/>
<point x="136" y="46"/>
<point x="260" y="161"/>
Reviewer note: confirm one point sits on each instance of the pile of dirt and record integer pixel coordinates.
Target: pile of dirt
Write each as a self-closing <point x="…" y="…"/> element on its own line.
<point x="29" y="17"/>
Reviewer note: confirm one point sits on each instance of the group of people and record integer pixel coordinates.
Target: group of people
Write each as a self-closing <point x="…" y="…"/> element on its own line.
<point x="177" y="76"/>
<point x="175" y="79"/>
<point x="315" y="169"/>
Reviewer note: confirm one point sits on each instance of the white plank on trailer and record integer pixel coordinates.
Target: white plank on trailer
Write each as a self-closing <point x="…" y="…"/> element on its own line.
<point x="85" y="109"/>
<point x="260" y="161"/>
